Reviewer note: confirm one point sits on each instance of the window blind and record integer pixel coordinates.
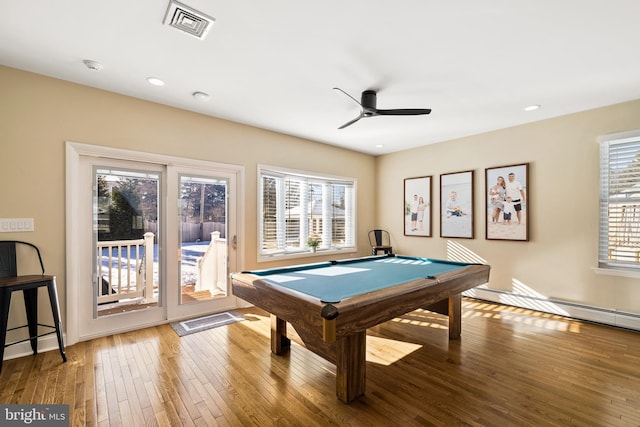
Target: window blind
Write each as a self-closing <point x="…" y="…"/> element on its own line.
<point x="619" y="245"/>
<point x="296" y="206"/>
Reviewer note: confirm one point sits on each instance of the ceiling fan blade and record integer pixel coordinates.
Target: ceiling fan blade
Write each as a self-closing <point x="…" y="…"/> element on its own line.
<point x="349" y="123"/>
<point x="368" y="107"/>
<point x="404" y="112"/>
<point x="345" y="93"/>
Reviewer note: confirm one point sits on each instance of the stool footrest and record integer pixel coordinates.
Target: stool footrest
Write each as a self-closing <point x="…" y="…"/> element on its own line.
<point x="26" y="326"/>
<point x="30" y="338"/>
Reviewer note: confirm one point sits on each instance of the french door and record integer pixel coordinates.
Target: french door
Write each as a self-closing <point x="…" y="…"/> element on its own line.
<point x="203" y="203"/>
<point x="150" y="239"/>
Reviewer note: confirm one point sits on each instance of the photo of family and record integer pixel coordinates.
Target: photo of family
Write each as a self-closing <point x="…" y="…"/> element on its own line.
<point x="417" y="206"/>
<point x="507" y="202"/>
<point x="456" y="205"/>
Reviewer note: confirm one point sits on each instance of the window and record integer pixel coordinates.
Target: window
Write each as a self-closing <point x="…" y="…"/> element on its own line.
<point x="620" y="201"/>
<point x="294" y="206"/>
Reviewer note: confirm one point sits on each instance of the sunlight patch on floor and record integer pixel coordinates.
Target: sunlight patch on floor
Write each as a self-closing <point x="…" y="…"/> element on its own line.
<point x="254" y="324"/>
<point x="419" y="322"/>
<point x="525" y="317"/>
<point x="527" y="320"/>
<point x="384" y="351"/>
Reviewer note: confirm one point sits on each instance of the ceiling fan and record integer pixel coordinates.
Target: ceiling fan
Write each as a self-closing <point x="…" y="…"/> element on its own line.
<point x="368" y="108"/>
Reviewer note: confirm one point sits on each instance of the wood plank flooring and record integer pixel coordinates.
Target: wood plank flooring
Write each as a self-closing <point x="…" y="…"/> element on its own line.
<point x="512" y="367"/>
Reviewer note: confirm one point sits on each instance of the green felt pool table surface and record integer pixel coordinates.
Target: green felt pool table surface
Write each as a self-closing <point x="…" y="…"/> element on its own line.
<point x="333" y="281"/>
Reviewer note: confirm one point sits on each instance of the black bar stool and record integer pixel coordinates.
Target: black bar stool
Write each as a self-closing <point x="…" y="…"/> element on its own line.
<point x="29" y="284"/>
<point x="380" y="241"/>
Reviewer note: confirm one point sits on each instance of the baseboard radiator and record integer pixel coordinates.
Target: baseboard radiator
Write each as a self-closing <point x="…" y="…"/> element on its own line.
<point x="604" y="316"/>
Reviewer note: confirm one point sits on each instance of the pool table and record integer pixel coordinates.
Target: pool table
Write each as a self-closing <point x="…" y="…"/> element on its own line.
<point x="331" y="304"/>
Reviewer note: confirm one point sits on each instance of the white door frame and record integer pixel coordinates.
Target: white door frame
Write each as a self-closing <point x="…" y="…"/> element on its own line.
<point x="74" y="191"/>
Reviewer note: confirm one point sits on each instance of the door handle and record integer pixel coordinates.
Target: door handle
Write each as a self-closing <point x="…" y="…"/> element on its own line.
<point x="234" y="242"/>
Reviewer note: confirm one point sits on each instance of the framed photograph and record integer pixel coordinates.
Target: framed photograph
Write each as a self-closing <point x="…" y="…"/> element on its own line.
<point x="507" y="199"/>
<point x="456" y="205"/>
<point x="417" y="206"/>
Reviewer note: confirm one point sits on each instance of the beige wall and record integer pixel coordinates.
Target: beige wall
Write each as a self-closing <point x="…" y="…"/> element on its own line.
<point x="559" y="260"/>
<point x="38" y="114"/>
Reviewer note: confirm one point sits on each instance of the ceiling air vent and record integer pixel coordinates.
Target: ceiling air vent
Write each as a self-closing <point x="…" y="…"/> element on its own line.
<point x="189" y="20"/>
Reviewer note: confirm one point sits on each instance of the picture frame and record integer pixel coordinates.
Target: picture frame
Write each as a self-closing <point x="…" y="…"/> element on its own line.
<point x="456" y="205"/>
<point x="501" y="199"/>
<point x="416" y="208"/>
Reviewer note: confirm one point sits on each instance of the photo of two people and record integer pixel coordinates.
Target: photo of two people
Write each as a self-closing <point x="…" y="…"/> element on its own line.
<point x="417" y="206"/>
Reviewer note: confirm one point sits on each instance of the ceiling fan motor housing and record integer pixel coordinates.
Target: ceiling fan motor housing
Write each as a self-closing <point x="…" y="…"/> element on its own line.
<point x="368" y="99"/>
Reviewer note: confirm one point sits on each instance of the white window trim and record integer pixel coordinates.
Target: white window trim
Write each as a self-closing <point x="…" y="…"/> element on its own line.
<point x="602" y="268"/>
<point x="351" y="250"/>
<point x="609" y="271"/>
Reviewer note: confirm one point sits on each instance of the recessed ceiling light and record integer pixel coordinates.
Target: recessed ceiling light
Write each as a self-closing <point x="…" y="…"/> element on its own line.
<point x="379" y="145"/>
<point x="155" y="81"/>
<point x="532" y="107"/>
<point x="201" y="96"/>
<point x="92" y="65"/>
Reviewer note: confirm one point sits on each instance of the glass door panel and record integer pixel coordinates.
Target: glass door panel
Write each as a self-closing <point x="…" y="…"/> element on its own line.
<point x="203" y="234"/>
<point x="126" y="236"/>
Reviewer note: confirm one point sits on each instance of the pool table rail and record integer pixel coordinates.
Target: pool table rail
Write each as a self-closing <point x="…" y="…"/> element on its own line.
<point x="359" y="312"/>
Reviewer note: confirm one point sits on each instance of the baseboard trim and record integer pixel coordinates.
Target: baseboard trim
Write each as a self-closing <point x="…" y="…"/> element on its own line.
<point x="22" y="349"/>
<point x="604" y="316"/>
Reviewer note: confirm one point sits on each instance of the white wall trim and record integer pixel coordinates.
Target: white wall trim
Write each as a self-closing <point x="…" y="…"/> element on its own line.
<point x="619" y="136"/>
<point x="71" y="250"/>
<point x="614" y="272"/>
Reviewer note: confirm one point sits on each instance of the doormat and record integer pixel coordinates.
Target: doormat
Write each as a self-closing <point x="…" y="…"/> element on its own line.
<point x="191" y="326"/>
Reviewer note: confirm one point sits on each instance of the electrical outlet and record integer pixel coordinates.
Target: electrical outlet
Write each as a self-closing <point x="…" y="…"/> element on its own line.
<point x="16" y="225"/>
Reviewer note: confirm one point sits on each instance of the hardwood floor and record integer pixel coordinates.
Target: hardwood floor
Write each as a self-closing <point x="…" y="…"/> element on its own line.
<point x="512" y="367"/>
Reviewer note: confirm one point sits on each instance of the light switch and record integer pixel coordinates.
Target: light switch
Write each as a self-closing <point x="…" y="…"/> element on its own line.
<point x="15" y="225"/>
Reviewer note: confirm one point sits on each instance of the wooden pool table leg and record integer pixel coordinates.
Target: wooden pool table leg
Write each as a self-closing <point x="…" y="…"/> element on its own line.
<point x="455" y="316"/>
<point x="280" y="343"/>
<point x="351" y="366"/>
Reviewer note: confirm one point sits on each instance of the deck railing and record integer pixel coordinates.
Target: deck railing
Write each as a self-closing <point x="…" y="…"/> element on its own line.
<point x="126" y="269"/>
<point x="212" y="266"/>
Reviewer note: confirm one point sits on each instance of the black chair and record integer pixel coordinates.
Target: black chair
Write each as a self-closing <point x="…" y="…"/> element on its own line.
<point x="380" y="241"/>
<point x="29" y="284"/>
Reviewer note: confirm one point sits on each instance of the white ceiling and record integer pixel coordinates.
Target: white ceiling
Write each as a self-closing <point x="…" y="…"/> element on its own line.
<point x="273" y="64"/>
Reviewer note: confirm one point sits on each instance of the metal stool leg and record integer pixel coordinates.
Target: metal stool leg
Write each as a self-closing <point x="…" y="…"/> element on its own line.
<point x="55" y="310"/>
<point x="31" y="308"/>
<point x="5" y="299"/>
